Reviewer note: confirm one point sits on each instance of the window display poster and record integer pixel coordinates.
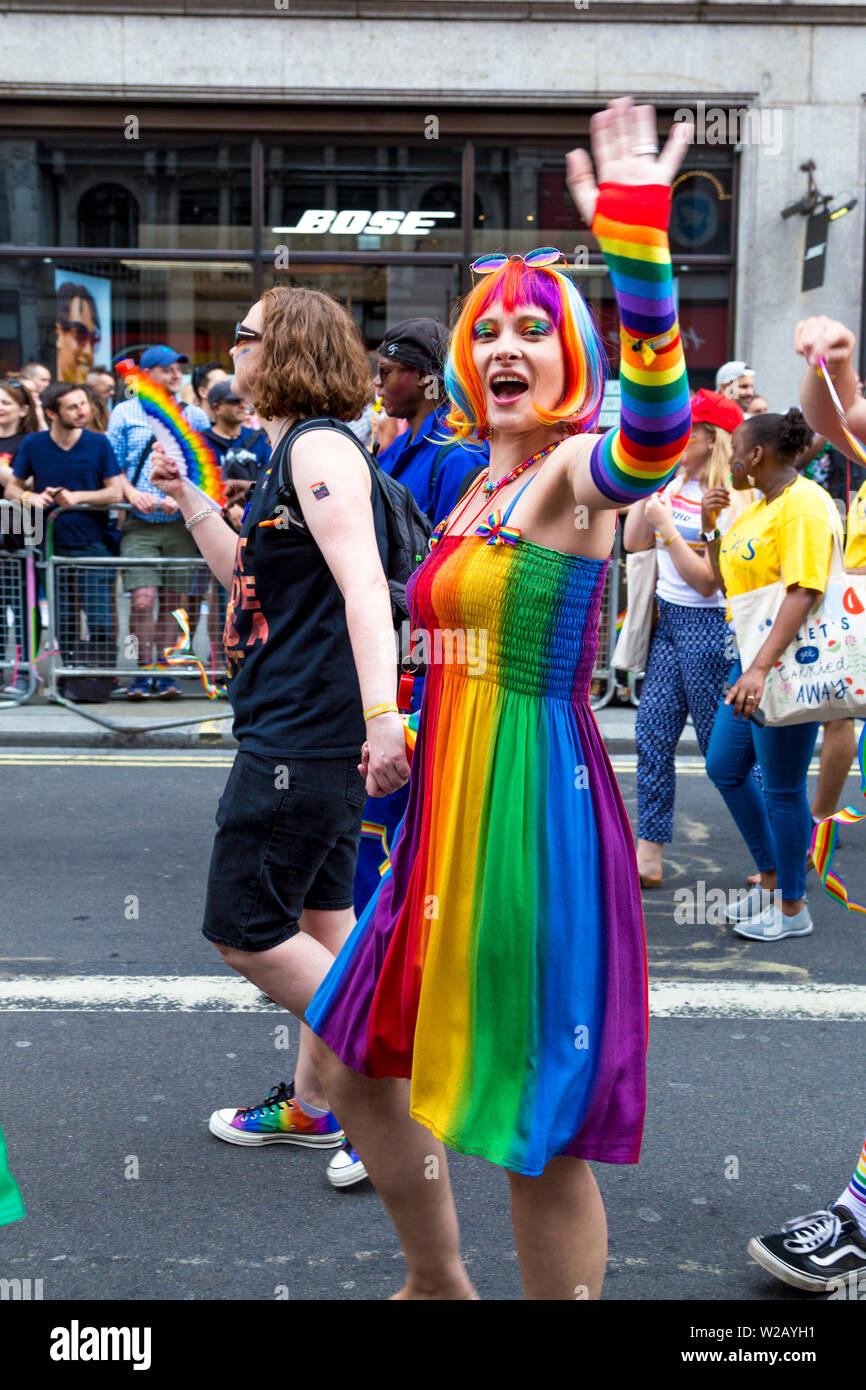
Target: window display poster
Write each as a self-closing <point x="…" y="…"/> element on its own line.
<point x="82" y="323"/>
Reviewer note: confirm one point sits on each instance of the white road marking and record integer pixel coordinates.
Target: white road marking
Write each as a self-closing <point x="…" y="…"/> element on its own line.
<point x="226" y="994"/>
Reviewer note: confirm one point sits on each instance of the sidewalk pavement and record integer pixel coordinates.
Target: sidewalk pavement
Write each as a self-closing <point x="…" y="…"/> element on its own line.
<point x="40" y="723"/>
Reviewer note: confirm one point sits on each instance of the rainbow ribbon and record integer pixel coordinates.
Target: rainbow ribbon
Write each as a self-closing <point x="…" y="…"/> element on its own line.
<point x="181" y="654"/>
<point x="191" y="450"/>
<point x="496" y="532"/>
<point x="858" y="448"/>
<point x="824" y="840"/>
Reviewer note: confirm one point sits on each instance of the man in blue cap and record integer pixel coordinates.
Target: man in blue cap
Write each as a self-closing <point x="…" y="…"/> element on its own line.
<point x="154" y="529"/>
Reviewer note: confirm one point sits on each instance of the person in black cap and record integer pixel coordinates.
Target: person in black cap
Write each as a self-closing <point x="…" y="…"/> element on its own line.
<point x="241" y="452"/>
<point x="427" y="458"/>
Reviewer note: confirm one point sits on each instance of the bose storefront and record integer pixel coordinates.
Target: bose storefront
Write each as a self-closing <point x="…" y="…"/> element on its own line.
<point x="174" y="219"/>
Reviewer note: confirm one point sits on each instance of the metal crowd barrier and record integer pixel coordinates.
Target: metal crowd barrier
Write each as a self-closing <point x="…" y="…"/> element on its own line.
<point x="88" y="632"/>
<point x="18" y="610"/>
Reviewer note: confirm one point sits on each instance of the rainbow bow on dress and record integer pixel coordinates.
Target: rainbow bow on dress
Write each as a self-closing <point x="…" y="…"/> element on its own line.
<point x="496" y="532"/>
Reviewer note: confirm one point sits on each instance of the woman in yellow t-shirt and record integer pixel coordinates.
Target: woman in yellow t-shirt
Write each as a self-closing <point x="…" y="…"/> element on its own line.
<point x="787" y="535"/>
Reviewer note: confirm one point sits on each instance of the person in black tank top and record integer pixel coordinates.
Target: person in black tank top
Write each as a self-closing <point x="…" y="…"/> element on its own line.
<point x="311" y="657"/>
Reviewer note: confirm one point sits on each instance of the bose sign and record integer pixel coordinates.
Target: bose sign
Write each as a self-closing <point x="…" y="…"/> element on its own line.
<point x="354" y="221"/>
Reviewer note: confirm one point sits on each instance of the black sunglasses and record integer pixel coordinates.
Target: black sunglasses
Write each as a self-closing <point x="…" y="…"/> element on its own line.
<point x="83" y="334"/>
<point x="246" y="335"/>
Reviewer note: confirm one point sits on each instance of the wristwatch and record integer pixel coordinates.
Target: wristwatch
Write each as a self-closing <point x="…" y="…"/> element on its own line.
<point x="709" y="536"/>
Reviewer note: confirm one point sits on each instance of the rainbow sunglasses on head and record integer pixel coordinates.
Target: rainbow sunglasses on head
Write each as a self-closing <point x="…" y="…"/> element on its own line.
<point x="543" y="256"/>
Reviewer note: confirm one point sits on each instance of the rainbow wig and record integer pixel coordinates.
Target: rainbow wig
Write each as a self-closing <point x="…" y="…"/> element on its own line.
<point x="586" y="365"/>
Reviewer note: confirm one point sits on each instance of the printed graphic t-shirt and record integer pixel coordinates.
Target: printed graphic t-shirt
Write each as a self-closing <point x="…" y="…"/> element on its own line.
<point x="789" y="538"/>
<point x="686" y="507"/>
<point x="292" y="679"/>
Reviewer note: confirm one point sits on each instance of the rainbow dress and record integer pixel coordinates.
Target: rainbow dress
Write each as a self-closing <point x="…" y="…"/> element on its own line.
<point x="502" y="963"/>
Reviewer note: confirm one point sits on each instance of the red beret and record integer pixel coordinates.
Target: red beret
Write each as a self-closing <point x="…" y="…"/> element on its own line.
<point x="711" y="408"/>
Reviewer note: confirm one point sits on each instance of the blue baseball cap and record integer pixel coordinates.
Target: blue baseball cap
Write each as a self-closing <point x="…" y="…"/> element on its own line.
<point x="161" y="356"/>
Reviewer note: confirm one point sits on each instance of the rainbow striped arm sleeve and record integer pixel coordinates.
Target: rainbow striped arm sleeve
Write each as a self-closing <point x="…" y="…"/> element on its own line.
<point x="636" y="459"/>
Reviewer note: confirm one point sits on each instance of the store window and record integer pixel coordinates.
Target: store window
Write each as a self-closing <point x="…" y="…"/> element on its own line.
<point x="379" y="296"/>
<point x="72" y="315"/>
<point x="382" y="197"/>
<point x="71" y="192"/>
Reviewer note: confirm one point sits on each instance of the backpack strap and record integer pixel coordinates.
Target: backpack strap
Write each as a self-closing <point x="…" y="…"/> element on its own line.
<point x="285" y="483"/>
<point x="142" y="459"/>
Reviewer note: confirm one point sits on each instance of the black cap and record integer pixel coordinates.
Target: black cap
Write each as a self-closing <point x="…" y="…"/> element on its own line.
<point x="419" y="343"/>
<point x="222" y="391"/>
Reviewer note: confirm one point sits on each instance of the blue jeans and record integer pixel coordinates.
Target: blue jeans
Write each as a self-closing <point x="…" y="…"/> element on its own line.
<point x="776" y="826"/>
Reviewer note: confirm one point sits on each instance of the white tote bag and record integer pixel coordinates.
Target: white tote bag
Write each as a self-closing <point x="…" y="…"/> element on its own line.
<point x="632" y="647"/>
<point x="821" y="674"/>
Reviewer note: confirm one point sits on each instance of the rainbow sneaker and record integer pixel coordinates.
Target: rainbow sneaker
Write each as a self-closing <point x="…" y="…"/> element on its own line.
<point x="277" y="1120"/>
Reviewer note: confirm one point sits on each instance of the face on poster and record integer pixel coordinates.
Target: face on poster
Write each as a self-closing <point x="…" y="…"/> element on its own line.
<point x="82" y="322"/>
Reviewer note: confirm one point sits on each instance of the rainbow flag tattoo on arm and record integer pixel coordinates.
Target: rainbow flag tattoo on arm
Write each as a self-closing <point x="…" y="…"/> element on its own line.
<point x="639" y="457"/>
<point x="186" y="446"/>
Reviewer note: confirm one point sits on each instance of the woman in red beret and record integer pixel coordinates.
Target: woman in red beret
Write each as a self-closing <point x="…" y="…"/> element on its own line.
<point x="689" y="656"/>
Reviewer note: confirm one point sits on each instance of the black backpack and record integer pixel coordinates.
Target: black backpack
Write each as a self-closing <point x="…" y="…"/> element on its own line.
<point x="408" y="528"/>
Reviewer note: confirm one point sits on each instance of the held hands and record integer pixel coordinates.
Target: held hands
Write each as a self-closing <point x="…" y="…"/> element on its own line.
<point x="615" y="134"/>
<point x="383" y="756"/>
<point x="713" y="503"/>
<point x="823" y="337"/>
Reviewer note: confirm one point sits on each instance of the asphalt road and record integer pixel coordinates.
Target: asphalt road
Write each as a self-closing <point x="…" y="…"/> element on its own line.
<point x="756" y="1096"/>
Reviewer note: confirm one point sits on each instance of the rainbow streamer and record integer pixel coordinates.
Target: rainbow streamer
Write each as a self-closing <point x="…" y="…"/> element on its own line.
<point x="374" y="831"/>
<point x="181" y="654"/>
<point x="186" y="446"/>
<point x="620" y="619"/>
<point x="858" y="449"/>
<point x="824" y="840"/>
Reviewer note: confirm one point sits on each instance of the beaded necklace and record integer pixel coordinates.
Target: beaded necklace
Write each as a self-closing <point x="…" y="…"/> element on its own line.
<point x="490" y="488"/>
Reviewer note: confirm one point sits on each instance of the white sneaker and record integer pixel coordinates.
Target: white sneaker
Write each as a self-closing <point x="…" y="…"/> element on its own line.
<point x="346" y="1168"/>
<point x="749" y="905"/>
<point x="773" y="925"/>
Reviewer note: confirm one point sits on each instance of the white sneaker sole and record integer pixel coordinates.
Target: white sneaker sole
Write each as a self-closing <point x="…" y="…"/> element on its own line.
<point x="221" y="1130"/>
<point x="797" y="1280"/>
<point x="741" y="929"/>
<point x="347" y="1177"/>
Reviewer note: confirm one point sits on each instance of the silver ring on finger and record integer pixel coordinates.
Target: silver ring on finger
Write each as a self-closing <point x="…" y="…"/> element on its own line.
<point x="645" y="149"/>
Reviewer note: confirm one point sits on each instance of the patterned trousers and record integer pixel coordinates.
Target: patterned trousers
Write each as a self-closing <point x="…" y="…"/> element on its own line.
<point x="689" y="660"/>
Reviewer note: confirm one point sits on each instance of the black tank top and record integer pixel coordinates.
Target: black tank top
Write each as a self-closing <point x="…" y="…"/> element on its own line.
<point x="292" y="679"/>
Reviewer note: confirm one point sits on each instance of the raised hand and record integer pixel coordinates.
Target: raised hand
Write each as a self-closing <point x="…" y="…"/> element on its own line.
<point x="165" y="474"/>
<point x="823" y="337"/>
<point x="625" y="150"/>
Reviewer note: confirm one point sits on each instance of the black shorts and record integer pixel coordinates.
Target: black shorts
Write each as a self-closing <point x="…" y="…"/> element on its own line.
<point x="287" y="838"/>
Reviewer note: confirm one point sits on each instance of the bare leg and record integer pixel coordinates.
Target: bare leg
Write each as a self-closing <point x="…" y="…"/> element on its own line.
<point x="291" y="973"/>
<point x="560" y="1230"/>
<point x="141" y="623"/>
<point x="649" y="862"/>
<point x="837" y="755"/>
<point x="409" y="1170"/>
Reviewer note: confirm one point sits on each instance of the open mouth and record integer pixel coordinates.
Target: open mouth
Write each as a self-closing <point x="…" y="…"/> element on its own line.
<point x="507" y="387"/>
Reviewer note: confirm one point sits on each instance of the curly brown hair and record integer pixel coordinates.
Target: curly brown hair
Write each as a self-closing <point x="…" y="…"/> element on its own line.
<point x="313" y="358"/>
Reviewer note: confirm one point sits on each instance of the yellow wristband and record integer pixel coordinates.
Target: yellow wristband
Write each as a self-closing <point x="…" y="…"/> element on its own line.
<point x="647" y="347"/>
<point x="670" y="540"/>
<point x="26" y="494"/>
<point x="380" y="709"/>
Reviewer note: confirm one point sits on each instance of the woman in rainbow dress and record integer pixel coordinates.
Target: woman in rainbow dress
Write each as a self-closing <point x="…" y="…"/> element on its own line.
<point x="501" y="964"/>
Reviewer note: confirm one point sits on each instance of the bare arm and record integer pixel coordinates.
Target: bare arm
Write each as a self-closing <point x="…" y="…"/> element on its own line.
<point x="827" y="338"/>
<point x="637" y="533"/>
<point x="793" y="612"/>
<point x="216" y="540"/>
<point x="108" y="495"/>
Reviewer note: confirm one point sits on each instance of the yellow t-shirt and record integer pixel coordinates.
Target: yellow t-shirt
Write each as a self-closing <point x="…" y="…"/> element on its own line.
<point x="789" y="538"/>
<point x="855" y="549"/>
